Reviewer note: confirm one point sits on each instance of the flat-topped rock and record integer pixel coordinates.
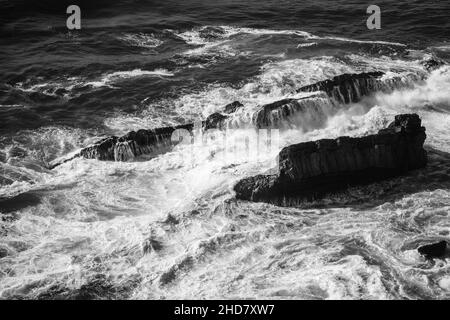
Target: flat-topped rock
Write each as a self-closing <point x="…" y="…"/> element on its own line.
<point x="312" y="169"/>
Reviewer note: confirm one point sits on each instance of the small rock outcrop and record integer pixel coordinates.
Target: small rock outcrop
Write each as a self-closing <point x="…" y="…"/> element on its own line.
<point x="232" y="107"/>
<point x="434" y="250"/>
<point x="432" y="63"/>
<point x="144" y="142"/>
<point x="347" y="88"/>
<point x="312" y="169"/>
<point x="132" y="144"/>
<point x="292" y="113"/>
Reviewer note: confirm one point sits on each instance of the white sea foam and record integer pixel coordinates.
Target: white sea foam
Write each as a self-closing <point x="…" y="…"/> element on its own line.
<point x="306" y="44"/>
<point x="445" y="48"/>
<point x="314" y="37"/>
<point x="142" y="40"/>
<point x="276" y="81"/>
<point x="208" y="34"/>
<point x="64" y="87"/>
<point x="117" y="76"/>
<point x="212" y="37"/>
<point x="54" y="88"/>
<point x="94" y="219"/>
<point x="216" y="42"/>
<point x="247" y="250"/>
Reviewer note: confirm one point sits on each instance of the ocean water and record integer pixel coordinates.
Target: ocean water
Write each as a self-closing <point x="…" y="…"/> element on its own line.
<point x="169" y="227"/>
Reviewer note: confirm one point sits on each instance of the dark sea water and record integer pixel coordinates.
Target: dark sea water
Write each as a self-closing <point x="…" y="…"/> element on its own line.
<point x="83" y="229"/>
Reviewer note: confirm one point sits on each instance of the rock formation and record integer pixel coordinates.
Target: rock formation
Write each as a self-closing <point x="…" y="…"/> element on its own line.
<point x="292" y="113"/>
<point x="342" y="89"/>
<point x="312" y="169"/>
<point x="137" y="143"/>
<point x="311" y="111"/>
<point x="232" y="107"/>
<point x="347" y="88"/>
<point x="434" y="250"/>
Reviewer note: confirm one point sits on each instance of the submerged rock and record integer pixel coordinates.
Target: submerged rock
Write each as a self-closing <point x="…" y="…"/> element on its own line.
<point x="312" y="169"/>
<point x="435" y="250"/>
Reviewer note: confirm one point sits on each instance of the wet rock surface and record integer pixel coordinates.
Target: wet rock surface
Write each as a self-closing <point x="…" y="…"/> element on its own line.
<point x="347" y="88"/>
<point x="144" y="142"/>
<point x="312" y="169"/>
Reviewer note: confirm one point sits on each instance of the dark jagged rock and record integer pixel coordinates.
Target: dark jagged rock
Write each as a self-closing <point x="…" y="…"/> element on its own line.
<point x="214" y="121"/>
<point x="232" y="107"/>
<point x="347" y="88"/>
<point x="217" y="120"/>
<point x="290" y="112"/>
<point x="132" y="144"/>
<point x="282" y="110"/>
<point x="128" y="146"/>
<point x="435" y="250"/>
<point x="151" y="244"/>
<point x="312" y="169"/>
<point x="137" y="143"/>
<point x="101" y="150"/>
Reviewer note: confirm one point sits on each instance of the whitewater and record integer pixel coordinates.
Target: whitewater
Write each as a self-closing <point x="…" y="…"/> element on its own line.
<point x="169" y="227"/>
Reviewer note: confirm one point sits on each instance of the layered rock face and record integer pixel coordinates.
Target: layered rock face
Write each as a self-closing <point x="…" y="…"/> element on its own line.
<point x="292" y="113"/>
<point x="132" y="145"/>
<point x="342" y="89"/>
<point x="144" y="142"/>
<point x="312" y="169"/>
<point x="347" y="88"/>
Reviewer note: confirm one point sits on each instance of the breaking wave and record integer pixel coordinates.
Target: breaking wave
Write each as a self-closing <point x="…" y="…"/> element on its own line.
<point x="169" y="227"/>
<point x="115" y="77"/>
<point x="142" y="40"/>
<point x="72" y="87"/>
